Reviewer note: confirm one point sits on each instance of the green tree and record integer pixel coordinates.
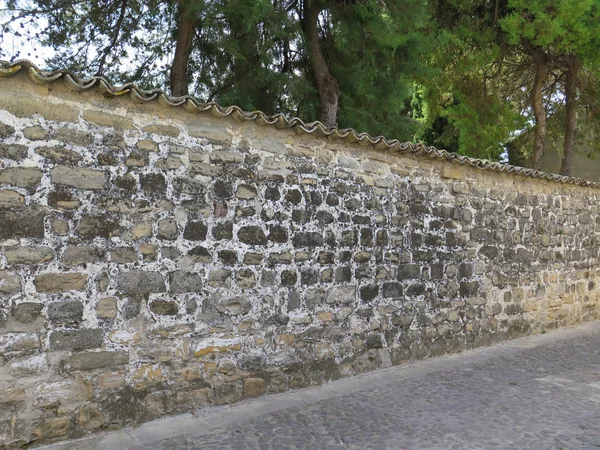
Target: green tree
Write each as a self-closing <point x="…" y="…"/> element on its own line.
<point x="561" y="34"/>
<point x="476" y="89"/>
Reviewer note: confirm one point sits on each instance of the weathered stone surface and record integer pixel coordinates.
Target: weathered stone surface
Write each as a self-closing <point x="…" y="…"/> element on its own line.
<point x="147" y="145"/>
<point x="167" y="229"/>
<point x="140" y="282"/>
<point x="75" y="137"/>
<point x="60" y="227"/>
<point x="123" y="255"/>
<point x="252" y="235"/>
<point x="153" y="183"/>
<point x="223" y="231"/>
<point x="25" y="177"/>
<point x="10" y="282"/>
<point x="341" y="295"/>
<point x="78" y="177"/>
<point x="308" y="239"/>
<point x="254" y="387"/>
<point x="195" y="231"/>
<point x="11" y="199"/>
<point x="168" y="130"/>
<point x="59" y="155"/>
<point x="66" y="312"/>
<point x="52" y="283"/>
<point x="6" y="130"/>
<point x="107" y="308"/>
<point x="22" y="223"/>
<point x="16" y="152"/>
<point x="181" y="282"/>
<point x="52" y="428"/>
<point x="81" y="255"/>
<point x="27" y="312"/>
<point x="76" y="339"/>
<point x="222" y="189"/>
<point x="164" y="307"/>
<point x="97" y="226"/>
<point x="35" y="133"/>
<point x="29" y="255"/>
<point x="234" y="306"/>
<point x="96" y="360"/>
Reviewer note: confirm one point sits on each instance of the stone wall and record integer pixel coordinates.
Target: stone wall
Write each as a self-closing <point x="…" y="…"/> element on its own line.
<point x="155" y="261"/>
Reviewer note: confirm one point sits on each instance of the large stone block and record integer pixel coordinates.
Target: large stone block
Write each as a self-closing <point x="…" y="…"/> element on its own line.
<point x="252" y="235"/>
<point x="10" y="282"/>
<point x="140" y="282"/>
<point x="27" y="312"/>
<point x="78" y="177"/>
<point x="65" y="312"/>
<point x="181" y="282"/>
<point x="85" y="254"/>
<point x="97" y="226"/>
<point x="29" y="255"/>
<point x="22" y="223"/>
<point x="341" y="295"/>
<point x="15" y="152"/>
<point x="96" y="360"/>
<point x="25" y="177"/>
<point x="76" y="339"/>
<point x="52" y="283"/>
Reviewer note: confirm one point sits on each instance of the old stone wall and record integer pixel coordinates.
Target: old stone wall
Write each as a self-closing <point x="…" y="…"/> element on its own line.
<point x="155" y="261"/>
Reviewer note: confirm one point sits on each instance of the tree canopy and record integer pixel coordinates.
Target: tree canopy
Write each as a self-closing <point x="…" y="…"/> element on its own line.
<point x="474" y="77"/>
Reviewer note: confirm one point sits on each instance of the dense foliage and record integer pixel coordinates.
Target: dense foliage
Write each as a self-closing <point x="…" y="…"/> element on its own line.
<point x="474" y="77"/>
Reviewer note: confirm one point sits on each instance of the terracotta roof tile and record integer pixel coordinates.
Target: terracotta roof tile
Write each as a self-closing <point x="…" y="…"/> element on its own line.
<point x="278" y="121"/>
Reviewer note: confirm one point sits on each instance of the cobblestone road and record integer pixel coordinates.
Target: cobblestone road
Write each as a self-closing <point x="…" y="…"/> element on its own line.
<point x="538" y="393"/>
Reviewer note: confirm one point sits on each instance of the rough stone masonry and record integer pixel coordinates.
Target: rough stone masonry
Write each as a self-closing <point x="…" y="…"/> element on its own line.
<point x="154" y="260"/>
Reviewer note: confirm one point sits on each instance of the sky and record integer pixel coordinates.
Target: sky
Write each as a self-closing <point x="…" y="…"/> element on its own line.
<point x="21" y="45"/>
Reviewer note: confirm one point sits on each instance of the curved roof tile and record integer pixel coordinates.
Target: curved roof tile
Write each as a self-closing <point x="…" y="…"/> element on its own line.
<point x="278" y="121"/>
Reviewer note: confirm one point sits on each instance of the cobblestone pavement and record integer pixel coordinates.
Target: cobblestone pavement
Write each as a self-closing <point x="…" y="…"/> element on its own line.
<point x="536" y="393"/>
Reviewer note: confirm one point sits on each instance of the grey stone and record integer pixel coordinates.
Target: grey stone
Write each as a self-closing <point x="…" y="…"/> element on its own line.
<point x="167" y="229"/>
<point x="76" y="339"/>
<point x="223" y="231"/>
<point x="65" y="312"/>
<point x="140" y="282"/>
<point x="75" y="137"/>
<point x="81" y="255"/>
<point x="96" y="360"/>
<point x="10" y="282"/>
<point x="27" y="312"/>
<point x="153" y="184"/>
<point x="195" y="231"/>
<point x="29" y="255"/>
<point x="16" y="152"/>
<point x="234" y="306"/>
<point x="341" y="295"/>
<point x="164" y="307"/>
<point x="252" y="235"/>
<point x="181" y="282"/>
<point x="78" y="177"/>
<point x="6" y="130"/>
<point x="97" y="226"/>
<point x="22" y="223"/>
<point x="123" y="255"/>
<point x="25" y="177"/>
<point x="307" y="239"/>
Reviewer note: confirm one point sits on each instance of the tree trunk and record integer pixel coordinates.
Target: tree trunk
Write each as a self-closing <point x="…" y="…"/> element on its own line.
<point x="185" y="37"/>
<point x="571" y="119"/>
<point x="327" y="85"/>
<point x="541" y="73"/>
